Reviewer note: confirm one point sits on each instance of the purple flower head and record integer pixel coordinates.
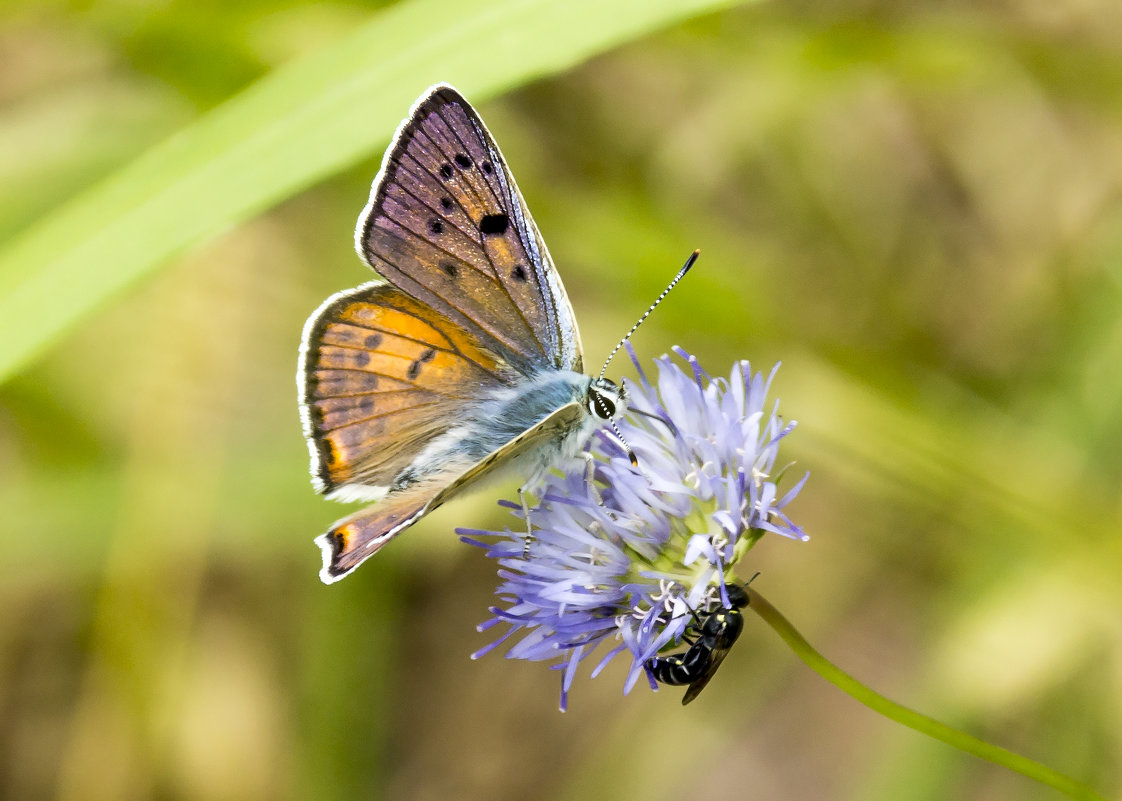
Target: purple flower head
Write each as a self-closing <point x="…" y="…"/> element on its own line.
<point x="626" y="555"/>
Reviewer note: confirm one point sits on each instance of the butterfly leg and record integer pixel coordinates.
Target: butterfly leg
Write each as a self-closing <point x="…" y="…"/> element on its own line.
<point x="529" y="529"/>
<point x="590" y="476"/>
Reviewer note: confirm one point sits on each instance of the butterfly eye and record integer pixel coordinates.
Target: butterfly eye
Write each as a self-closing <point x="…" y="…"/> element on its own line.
<point x="600" y="406"/>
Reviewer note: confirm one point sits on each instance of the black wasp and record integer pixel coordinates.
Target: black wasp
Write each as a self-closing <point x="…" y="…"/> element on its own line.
<point x="716" y="632"/>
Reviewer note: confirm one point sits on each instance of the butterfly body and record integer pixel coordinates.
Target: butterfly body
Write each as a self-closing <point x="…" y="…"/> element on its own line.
<point x="463" y="362"/>
<point x="500" y="417"/>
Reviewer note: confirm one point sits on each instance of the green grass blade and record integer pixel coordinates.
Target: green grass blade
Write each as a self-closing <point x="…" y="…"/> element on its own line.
<point x="296" y="126"/>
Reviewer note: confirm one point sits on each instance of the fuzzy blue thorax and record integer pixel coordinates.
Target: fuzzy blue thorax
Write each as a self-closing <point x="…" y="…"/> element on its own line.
<point x="496" y="420"/>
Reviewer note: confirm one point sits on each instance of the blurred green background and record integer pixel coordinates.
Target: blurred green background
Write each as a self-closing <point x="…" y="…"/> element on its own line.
<point x="916" y="207"/>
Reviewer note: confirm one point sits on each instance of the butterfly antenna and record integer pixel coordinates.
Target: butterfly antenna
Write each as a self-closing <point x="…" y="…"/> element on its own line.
<point x="631" y="457"/>
<point x="681" y="274"/>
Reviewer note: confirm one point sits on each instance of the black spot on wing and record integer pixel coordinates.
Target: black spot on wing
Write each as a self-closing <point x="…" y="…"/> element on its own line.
<point x="338" y="542"/>
<point x="446" y="171"/>
<point x="519" y="273"/>
<point x="415" y="365"/>
<point x="493" y="224"/>
<point x="373" y="341"/>
<point x="436" y="226"/>
<point x="463" y="161"/>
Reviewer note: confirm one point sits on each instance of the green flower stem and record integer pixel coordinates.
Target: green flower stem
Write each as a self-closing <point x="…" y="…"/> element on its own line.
<point x="910" y="718"/>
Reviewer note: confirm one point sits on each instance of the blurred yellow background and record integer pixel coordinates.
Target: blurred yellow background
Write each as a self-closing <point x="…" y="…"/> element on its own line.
<point x="917" y="209"/>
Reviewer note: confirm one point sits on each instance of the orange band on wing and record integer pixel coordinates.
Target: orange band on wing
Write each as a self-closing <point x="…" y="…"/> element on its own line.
<point x="408" y="319"/>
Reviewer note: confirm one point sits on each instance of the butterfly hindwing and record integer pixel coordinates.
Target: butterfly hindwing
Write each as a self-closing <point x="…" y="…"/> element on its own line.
<point x="359" y="536"/>
<point x="447" y="225"/>
<point x="381" y="376"/>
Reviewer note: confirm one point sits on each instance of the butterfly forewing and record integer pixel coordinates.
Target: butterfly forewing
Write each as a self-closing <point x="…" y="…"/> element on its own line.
<point x="447" y="225"/>
<point x="383" y="374"/>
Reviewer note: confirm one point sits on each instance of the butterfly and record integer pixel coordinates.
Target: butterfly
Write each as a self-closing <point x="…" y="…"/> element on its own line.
<point x="461" y="361"/>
